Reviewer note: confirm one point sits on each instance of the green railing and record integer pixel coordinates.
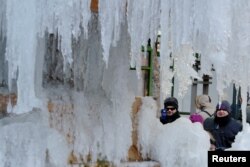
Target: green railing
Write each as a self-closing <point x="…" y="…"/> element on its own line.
<point x="149" y="68"/>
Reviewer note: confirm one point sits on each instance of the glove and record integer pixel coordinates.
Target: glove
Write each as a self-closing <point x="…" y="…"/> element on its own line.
<point x="163" y="117"/>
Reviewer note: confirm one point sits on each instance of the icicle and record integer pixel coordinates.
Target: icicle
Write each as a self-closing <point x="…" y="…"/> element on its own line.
<point x="177" y="38"/>
<point x="3" y="17"/>
<point x="166" y="74"/>
<point x="32" y="18"/>
<point x="21" y="45"/>
<point x="85" y="15"/>
<point x="214" y="34"/>
<point x="65" y="17"/>
<point x="143" y="23"/>
<point x="111" y="16"/>
<point x="239" y="51"/>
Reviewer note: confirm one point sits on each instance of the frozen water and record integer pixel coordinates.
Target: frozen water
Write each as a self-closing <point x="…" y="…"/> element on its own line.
<point x="241" y="142"/>
<point x="26" y="140"/>
<point x="20" y="51"/>
<point x="111" y="16"/>
<point x="100" y="123"/>
<point x="175" y="144"/>
<point x="66" y="18"/>
<point x="143" y="23"/>
<point x="62" y="17"/>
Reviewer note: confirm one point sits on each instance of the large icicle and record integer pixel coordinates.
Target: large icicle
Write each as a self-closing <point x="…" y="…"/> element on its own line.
<point x="177" y="40"/>
<point x="30" y="19"/>
<point x="212" y="34"/>
<point x="3" y="17"/>
<point x="166" y="74"/>
<point x="238" y="69"/>
<point x="66" y="17"/>
<point x="21" y="51"/>
<point x="143" y="23"/>
<point x="111" y="16"/>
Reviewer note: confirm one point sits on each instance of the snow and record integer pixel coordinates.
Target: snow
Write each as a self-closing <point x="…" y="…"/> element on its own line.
<point x="100" y="123"/>
<point x="174" y="144"/>
<point x="26" y="140"/>
<point x="241" y="142"/>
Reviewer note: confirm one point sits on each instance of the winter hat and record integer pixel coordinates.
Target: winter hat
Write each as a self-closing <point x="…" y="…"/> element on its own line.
<point x="203" y="101"/>
<point x="171" y="101"/>
<point x="224" y="105"/>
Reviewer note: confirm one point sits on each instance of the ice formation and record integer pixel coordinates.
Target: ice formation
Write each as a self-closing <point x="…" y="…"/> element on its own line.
<point x="160" y="142"/>
<point x="218" y="30"/>
<point x="25" y="22"/>
<point x="212" y="29"/>
<point x="143" y="23"/>
<point x="112" y="15"/>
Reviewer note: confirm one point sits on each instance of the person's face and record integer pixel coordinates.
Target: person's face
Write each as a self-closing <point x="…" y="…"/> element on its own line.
<point x="221" y="113"/>
<point x="170" y="110"/>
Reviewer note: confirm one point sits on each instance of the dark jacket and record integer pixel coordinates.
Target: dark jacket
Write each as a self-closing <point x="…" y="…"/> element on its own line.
<point x="168" y="119"/>
<point x="224" y="135"/>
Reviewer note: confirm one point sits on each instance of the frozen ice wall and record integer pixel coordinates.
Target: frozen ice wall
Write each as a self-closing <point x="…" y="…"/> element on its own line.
<point x="3" y="76"/>
<point x="26" y="140"/>
<point x="112" y="16"/>
<point x="143" y="23"/>
<point x="177" y="44"/>
<point x="208" y="28"/>
<point x="216" y="30"/>
<point x="195" y="27"/>
<point x="91" y="114"/>
<point x="103" y="108"/>
<point x="219" y="32"/>
<point x="28" y="21"/>
<point x="20" y="51"/>
<point x="238" y="59"/>
<point x="66" y="18"/>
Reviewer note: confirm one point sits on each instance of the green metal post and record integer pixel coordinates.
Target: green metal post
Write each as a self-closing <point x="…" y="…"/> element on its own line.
<point x="148" y="68"/>
<point x="150" y="64"/>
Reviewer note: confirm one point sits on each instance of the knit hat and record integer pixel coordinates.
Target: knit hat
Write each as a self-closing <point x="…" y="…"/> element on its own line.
<point x="202" y="101"/>
<point x="224" y="105"/>
<point x="171" y="101"/>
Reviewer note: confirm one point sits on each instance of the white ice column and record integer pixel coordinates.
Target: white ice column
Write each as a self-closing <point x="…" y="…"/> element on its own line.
<point x="21" y="51"/>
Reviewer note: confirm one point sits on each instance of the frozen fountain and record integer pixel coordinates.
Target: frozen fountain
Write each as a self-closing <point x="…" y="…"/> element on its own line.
<point x="67" y="92"/>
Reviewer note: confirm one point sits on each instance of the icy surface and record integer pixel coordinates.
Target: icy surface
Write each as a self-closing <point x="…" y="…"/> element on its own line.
<point x="2" y="17"/>
<point x="112" y="15"/>
<point x="20" y="51"/>
<point x="241" y="140"/>
<point x="143" y="23"/>
<point x="26" y="140"/>
<point x="66" y="18"/>
<point x="175" y="144"/>
<point x="37" y="16"/>
<point x="100" y="123"/>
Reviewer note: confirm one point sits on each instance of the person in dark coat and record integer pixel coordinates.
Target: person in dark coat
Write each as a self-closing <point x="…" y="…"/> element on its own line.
<point x="170" y="112"/>
<point x="222" y="128"/>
